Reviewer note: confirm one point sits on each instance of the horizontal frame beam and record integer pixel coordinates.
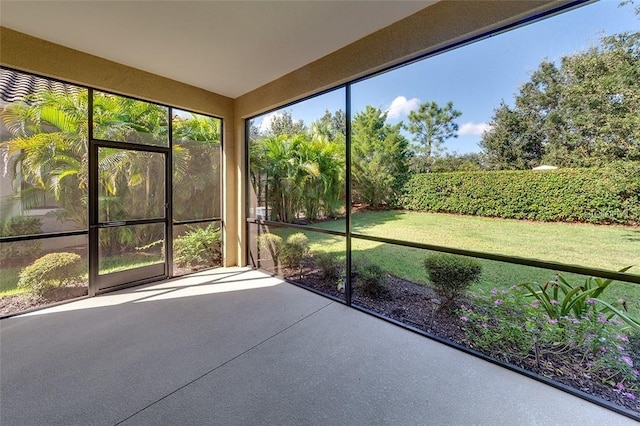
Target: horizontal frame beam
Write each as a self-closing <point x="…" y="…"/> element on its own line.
<point x="556" y="266"/>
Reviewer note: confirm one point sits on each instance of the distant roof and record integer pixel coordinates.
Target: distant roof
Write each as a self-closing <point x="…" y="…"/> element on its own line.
<point x="14" y="85"/>
<point x="543" y="167"/>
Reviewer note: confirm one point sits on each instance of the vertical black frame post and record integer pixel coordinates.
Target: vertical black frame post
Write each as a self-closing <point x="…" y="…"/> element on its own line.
<point x="221" y="191"/>
<point x="168" y="200"/>
<point x="347" y="284"/>
<point x="247" y="193"/>
<point x="92" y="201"/>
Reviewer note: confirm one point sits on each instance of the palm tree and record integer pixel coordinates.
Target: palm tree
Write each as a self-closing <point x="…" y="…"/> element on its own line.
<point x="323" y="192"/>
<point x="196" y="166"/>
<point x="304" y="176"/>
<point x="49" y="148"/>
<point x="117" y="118"/>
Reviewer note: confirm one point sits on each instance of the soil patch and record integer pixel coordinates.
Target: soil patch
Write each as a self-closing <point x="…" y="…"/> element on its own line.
<point x="10" y="305"/>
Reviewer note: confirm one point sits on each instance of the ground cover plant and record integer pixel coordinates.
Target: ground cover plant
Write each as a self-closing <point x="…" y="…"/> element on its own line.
<point x="561" y="299"/>
<point x="590" y="351"/>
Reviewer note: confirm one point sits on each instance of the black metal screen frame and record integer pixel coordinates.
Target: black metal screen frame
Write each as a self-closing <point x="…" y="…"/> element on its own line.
<point x="92" y="214"/>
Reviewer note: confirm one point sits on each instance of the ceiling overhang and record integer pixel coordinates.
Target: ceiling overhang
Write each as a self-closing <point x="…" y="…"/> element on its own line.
<point x="226" y="47"/>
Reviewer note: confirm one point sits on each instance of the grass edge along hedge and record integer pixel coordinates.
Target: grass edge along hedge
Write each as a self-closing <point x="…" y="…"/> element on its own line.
<point x="606" y="195"/>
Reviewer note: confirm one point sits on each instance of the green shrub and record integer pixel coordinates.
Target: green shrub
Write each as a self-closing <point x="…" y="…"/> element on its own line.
<point x="370" y="278"/>
<point x="561" y="299"/>
<point x="16" y="226"/>
<point x="604" y="195"/>
<point x="451" y="275"/>
<point x="271" y="243"/>
<point x="51" y="271"/>
<point x="198" y="246"/>
<point x="294" y="249"/>
<point x="509" y="326"/>
<point x="330" y="265"/>
<point x="22" y="225"/>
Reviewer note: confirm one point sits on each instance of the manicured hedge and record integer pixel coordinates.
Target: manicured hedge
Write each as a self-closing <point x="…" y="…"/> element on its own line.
<point x="597" y="195"/>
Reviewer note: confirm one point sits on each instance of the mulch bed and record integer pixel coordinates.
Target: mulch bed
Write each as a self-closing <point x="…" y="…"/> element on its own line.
<point x="416" y="305"/>
<point x="10" y="305"/>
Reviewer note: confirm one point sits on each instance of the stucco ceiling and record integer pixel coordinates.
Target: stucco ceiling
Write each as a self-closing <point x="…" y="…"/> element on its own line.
<point x="228" y="47"/>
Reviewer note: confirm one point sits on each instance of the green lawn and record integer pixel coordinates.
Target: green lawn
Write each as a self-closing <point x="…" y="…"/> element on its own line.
<point x="9" y="282"/>
<point x="122" y="263"/>
<point x="609" y="247"/>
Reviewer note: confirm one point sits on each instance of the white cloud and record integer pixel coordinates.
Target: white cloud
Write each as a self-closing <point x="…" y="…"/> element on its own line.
<point x="402" y="106"/>
<point x="473" y="129"/>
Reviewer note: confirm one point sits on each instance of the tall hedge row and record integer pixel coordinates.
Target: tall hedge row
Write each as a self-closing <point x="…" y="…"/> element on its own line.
<point x="597" y="195"/>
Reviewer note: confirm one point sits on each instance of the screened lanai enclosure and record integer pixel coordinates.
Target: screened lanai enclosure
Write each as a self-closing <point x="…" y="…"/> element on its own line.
<point x="100" y="191"/>
<point x="469" y="172"/>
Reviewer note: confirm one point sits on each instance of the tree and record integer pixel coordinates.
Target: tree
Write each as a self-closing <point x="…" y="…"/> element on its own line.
<point x="508" y="145"/>
<point x="303" y="176"/>
<point x="323" y="193"/>
<point x="49" y="148"/>
<point x="582" y="112"/>
<point x="431" y="126"/>
<point x="282" y="123"/>
<point x="333" y="127"/>
<point x="455" y="162"/>
<point x="196" y="167"/>
<point x="379" y="156"/>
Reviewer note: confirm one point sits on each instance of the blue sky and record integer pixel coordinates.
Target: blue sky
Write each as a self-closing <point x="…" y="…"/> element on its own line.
<point x="478" y="76"/>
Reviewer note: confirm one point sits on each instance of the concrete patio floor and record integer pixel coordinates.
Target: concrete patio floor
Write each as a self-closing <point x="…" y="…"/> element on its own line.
<point x="238" y="347"/>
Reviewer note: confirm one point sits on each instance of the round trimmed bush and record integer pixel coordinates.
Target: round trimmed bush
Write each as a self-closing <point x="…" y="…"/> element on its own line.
<point x="330" y="265"/>
<point x="370" y="278"/>
<point x="51" y="271"/>
<point x="294" y="249"/>
<point x="270" y="243"/>
<point x="451" y="275"/>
